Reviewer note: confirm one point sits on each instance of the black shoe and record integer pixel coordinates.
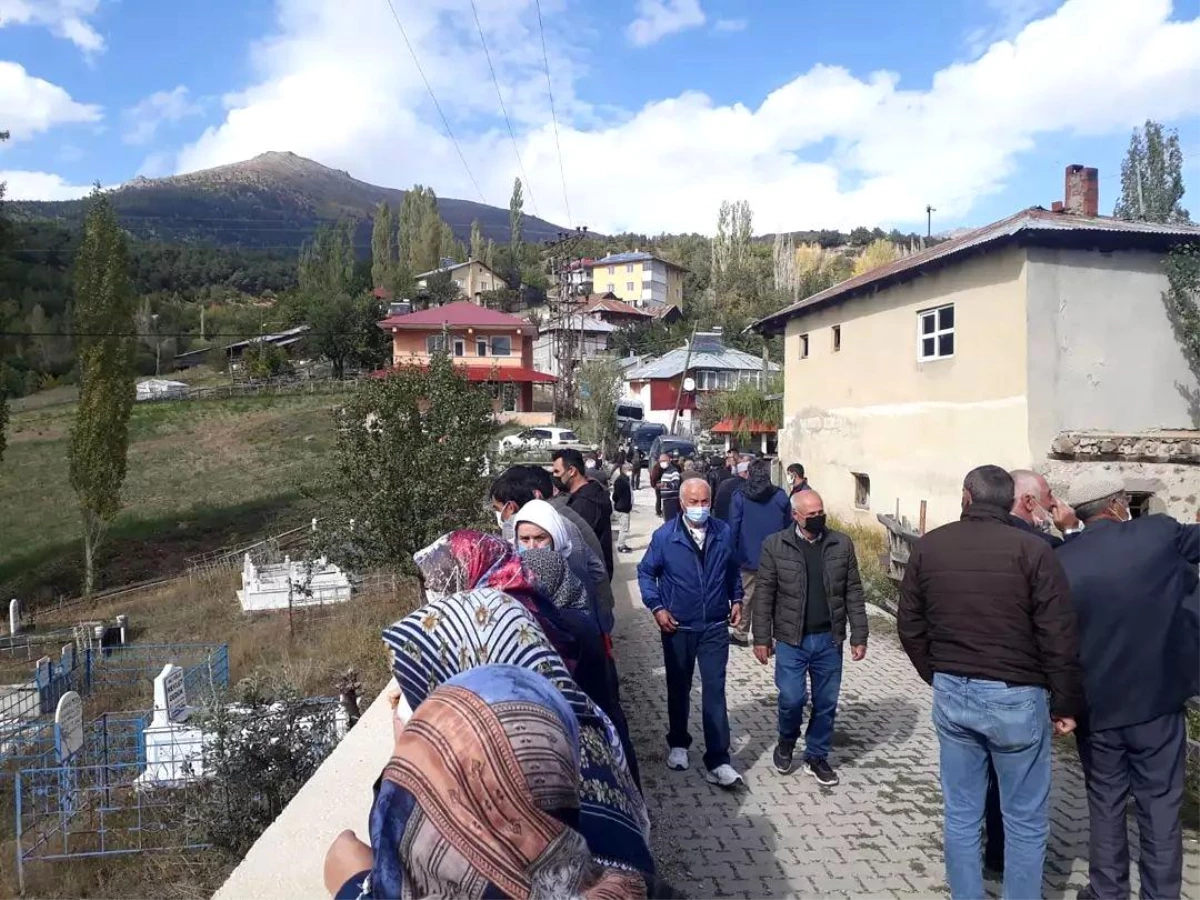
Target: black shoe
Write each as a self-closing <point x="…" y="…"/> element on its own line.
<point x="783" y="757"/>
<point x="740" y="639"/>
<point x="820" y="770"/>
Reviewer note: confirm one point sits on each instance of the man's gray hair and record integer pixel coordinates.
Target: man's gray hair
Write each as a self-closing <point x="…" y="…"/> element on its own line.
<point x="991" y="485"/>
<point x="1085" y="512"/>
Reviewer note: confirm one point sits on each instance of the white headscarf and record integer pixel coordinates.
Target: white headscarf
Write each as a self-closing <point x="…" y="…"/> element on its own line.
<point x="545" y="517"/>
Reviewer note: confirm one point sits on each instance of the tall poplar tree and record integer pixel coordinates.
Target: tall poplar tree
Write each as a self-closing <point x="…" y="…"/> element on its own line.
<point x="1152" y="177"/>
<point x="103" y="316"/>
<point x="383" y="247"/>
<point x="478" y="248"/>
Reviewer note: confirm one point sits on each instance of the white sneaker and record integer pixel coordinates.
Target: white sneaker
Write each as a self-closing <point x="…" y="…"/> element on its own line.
<point x="677" y="759"/>
<point x="725" y="776"/>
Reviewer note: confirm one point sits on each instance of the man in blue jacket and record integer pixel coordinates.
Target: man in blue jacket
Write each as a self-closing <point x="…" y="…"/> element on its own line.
<point x="758" y="511"/>
<point x="1134" y="587"/>
<point x="689" y="579"/>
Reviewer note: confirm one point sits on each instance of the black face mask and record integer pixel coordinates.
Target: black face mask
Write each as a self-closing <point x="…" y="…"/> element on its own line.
<point x="815" y="525"/>
<point x="559" y="484"/>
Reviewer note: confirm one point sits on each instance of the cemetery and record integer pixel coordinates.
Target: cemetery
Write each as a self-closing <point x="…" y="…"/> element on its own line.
<point x="292" y="583"/>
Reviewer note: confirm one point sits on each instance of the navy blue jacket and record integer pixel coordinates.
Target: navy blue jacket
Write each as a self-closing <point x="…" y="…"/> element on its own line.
<point x="752" y="521"/>
<point x="1134" y="587"/>
<point x="673" y="577"/>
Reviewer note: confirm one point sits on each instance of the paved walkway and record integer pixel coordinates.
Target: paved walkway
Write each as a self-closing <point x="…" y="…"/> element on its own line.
<point x="877" y="834"/>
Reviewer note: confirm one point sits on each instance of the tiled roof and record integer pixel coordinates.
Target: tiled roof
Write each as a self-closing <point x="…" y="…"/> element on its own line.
<point x="632" y="256"/>
<point x="617" y="307"/>
<point x="574" y="323"/>
<point x="1034" y="223"/>
<point x="707" y="355"/>
<point x="456" y="266"/>
<point x="460" y="314"/>
<point x="733" y="426"/>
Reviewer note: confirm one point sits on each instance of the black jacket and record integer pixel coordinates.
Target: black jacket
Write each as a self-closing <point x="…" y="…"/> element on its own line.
<point x="723" y="498"/>
<point x="593" y="506"/>
<point x="1053" y="540"/>
<point x="622" y="494"/>
<point x="982" y="599"/>
<point x="781" y="591"/>
<point x="1134" y="586"/>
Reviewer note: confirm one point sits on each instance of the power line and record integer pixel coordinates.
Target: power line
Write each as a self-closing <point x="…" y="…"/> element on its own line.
<point x="499" y="96"/>
<point x="553" y="115"/>
<point x="433" y="97"/>
<point x="165" y="335"/>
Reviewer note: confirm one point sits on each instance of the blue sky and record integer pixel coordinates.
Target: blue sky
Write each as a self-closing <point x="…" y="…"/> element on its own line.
<point x="819" y="113"/>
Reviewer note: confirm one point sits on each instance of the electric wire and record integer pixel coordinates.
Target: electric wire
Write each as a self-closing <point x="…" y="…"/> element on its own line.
<point x="553" y="115"/>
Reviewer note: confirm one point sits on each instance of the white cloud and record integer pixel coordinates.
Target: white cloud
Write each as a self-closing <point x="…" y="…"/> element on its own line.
<point x="1008" y="18"/>
<point x="143" y="119"/>
<point x="658" y="18"/>
<point x="29" y="105"/>
<point x="22" y="185"/>
<point x="64" y="18"/>
<point x="730" y="25"/>
<point x="335" y="83"/>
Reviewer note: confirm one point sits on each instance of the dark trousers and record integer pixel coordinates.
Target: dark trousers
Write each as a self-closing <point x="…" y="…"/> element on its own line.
<point x="635" y="479"/>
<point x="708" y="646"/>
<point x="993" y="824"/>
<point x="1146" y="760"/>
<point x="670" y="507"/>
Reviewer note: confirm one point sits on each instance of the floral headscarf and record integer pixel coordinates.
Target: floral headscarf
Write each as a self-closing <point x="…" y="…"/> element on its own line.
<point x="556" y="579"/>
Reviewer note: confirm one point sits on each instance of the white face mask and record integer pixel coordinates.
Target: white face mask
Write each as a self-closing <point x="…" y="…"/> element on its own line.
<point x="508" y="529"/>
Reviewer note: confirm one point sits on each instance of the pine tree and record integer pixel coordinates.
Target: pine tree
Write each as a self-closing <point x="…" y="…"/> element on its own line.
<point x="477" y="245"/>
<point x="1152" y="177"/>
<point x="383" y="247"/>
<point x="103" y="314"/>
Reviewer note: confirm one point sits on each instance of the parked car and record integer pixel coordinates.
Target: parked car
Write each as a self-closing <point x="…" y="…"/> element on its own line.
<point x="680" y="448"/>
<point x="643" y="436"/>
<point x="538" y="439"/>
<point x="629" y="416"/>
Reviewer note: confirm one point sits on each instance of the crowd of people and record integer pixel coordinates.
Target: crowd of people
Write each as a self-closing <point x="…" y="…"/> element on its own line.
<point x="513" y="772"/>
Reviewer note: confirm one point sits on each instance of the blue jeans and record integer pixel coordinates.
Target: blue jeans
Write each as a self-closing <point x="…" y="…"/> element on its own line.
<point x="707" y="645"/>
<point x="817" y="656"/>
<point x="977" y="719"/>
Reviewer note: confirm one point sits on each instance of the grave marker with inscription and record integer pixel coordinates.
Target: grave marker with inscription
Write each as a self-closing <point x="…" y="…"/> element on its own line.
<point x="68" y="726"/>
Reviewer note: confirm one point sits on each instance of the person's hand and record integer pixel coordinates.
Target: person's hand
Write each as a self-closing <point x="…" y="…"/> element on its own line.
<point x="401" y="711"/>
<point x="665" y="621"/>
<point x="735" y="614"/>
<point x="1063" y="724"/>
<point x="1064" y="517"/>
<point x="762" y="652"/>
<point x="858" y="652"/>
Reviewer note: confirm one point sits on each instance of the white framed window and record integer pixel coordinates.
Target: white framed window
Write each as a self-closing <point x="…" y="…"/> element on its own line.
<point x="935" y="333"/>
<point x="611" y="286"/>
<point x="629" y="267"/>
<point x="460" y="347"/>
<point x="481" y="347"/>
<point x="629" y="285"/>
<point x="804" y="346"/>
<point x="612" y="270"/>
<point x="435" y="343"/>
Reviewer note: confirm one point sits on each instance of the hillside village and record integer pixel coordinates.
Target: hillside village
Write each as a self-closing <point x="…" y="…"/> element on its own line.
<point x="289" y="424"/>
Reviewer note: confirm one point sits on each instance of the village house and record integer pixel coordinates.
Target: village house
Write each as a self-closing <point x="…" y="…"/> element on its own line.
<point x="472" y="278"/>
<point x="578" y="337"/>
<point x="679" y="379"/>
<point x="608" y="308"/>
<point x="1038" y="341"/>
<point x="641" y="279"/>
<point x="491" y="347"/>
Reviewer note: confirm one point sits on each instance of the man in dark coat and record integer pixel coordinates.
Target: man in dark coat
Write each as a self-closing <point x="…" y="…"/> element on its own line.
<point x="758" y="511"/>
<point x="796" y="476"/>
<point x="986" y="618"/>
<point x="1134" y="586"/>
<point x="622" y="500"/>
<point x="723" y="498"/>
<point x="667" y="487"/>
<point x="586" y="497"/>
<point x="808" y="591"/>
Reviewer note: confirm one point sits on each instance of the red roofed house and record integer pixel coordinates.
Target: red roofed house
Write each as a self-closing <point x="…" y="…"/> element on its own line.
<point x="608" y="308"/>
<point x="491" y="347"/>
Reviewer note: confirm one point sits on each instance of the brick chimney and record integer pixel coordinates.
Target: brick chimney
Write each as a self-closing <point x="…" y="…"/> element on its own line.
<point x="1082" y="194"/>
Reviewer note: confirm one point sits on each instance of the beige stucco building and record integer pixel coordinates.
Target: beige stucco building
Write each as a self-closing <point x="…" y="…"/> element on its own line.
<point x="1038" y="341"/>
<point x="472" y="278"/>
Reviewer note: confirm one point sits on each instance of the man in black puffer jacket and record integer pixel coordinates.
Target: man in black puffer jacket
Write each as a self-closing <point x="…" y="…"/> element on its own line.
<point x="808" y="589"/>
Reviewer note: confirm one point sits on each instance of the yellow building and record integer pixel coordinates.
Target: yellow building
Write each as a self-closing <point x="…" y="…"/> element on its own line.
<point x="1040" y="341"/>
<point x="640" y="279"/>
<point x="472" y="278"/>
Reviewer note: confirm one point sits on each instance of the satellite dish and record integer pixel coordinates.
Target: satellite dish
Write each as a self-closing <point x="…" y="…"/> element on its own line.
<point x="689" y="384"/>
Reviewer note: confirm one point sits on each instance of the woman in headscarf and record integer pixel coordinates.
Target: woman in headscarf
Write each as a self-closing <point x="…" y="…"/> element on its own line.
<point x="538" y="524"/>
<point x="481" y="798"/>
<point x="453" y="634"/>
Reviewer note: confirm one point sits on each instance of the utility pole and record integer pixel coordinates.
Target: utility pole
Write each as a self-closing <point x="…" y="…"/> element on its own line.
<point x="929" y="211"/>
<point x="687" y="361"/>
<point x="561" y="333"/>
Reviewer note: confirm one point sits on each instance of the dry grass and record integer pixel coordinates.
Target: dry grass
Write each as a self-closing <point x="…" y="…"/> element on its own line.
<point x="871" y="548"/>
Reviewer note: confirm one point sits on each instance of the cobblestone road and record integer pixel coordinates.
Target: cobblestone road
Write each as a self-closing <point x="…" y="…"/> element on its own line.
<point x="878" y="833"/>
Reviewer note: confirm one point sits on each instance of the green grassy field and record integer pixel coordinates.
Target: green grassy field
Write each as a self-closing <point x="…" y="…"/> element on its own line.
<point x="202" y="475"/>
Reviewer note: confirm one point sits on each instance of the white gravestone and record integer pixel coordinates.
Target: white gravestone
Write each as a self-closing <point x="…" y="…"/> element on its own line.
<point x="42" y="672"/>
<point x="170" y="695"/>
<point x="67" y="658"/>
<point x="68" y="725"/>
<point x="14" y="616"/>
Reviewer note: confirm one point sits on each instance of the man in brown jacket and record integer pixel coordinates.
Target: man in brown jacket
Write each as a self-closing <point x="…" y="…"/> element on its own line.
<point x="809" y="589"/>
<point x="986" y="618"/>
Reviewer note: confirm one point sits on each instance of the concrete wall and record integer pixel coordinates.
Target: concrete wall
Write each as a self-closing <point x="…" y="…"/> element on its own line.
<point x="914" y="428"/>
<point x="410" y="347"/>
<point x="1102" y="356"/>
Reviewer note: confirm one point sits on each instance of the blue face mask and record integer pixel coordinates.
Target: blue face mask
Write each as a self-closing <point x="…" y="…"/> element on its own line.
<point x="697" y="515"/>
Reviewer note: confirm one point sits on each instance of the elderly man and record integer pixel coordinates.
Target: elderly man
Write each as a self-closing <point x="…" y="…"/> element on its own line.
<point x="1036" y="509"/>
<point x="808" y="590"/>
<point x="986" y="618"/>
<point x="1133" y="584"/>
<point x="689" y="579"/>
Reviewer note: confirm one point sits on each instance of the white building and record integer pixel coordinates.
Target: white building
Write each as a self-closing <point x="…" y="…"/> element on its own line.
<point x="569" y="330"/>
<point x="161" y="389"/>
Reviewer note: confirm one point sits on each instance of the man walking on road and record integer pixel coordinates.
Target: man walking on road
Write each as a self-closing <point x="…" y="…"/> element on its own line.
<point x="723" y="498"/>
<point x="986" y="618"/>
<point x="622" y="498"/>
<point x="757" y="512"/>
<point x="667" y="487"/>
<point x="808" y="589"/>
<point x="1133" y="584"/>
<point x="689" y="579"/>
<point x="586" y="497"/>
